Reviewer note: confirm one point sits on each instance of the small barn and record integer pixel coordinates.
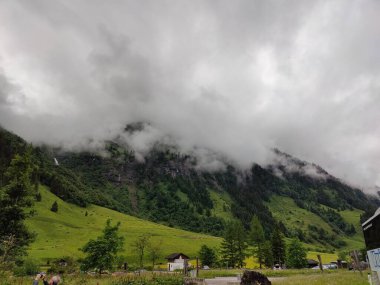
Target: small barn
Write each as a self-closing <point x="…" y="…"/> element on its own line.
<point x="177" y="261"/>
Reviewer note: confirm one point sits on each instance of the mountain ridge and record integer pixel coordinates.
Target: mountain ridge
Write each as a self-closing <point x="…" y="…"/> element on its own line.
<point x="168" y="188"/>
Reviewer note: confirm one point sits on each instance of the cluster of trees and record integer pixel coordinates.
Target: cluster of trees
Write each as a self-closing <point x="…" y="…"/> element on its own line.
<point x="161" y="203"/>
<point x="238" y="244"/>
<point x="102" y="253"/>
<point x="318" y="233"/>
<point x="143" y="245"/>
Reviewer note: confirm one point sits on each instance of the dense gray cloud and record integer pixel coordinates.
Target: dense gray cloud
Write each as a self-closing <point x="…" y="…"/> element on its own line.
<point x="235" y="77"/>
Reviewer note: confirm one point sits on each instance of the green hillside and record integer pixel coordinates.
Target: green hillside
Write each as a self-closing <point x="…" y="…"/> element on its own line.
<point x="63" y="233"/>
<point x="353" y="217"/>
<point x="168" y="189"/>
<point x="294" y="218"/>
<point x="221" y="205"/>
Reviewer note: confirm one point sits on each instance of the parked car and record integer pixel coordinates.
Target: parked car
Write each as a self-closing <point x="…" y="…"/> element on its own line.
<point x="332" y="266"/>
<point x="327" y="266"/>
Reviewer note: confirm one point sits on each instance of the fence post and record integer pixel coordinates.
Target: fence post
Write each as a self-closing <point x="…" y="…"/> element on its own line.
<point x="197" y="267"/>
<point x="320" y="262"/>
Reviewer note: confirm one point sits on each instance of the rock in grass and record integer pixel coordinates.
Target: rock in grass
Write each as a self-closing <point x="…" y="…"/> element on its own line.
<point x="254" y="278"/>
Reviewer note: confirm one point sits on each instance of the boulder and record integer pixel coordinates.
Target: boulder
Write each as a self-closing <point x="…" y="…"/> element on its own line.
<point x="254" y="278"/>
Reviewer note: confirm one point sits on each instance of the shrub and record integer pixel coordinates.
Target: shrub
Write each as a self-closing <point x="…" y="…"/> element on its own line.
<point x="63" y="265"/>
<point x="28" y="267"/>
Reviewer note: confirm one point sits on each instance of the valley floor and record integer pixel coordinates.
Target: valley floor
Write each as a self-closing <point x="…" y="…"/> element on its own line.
<point x="285" y="277"/>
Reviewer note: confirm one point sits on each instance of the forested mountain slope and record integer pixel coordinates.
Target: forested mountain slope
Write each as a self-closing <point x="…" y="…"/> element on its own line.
<point x="168" y="188"/>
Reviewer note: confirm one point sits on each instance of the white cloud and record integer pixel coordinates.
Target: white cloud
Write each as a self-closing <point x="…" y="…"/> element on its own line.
<point x="238" y="78"/>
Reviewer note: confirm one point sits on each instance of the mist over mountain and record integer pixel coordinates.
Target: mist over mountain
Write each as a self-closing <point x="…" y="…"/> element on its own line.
<point x="230" y="79"/>
<point x="176" y="189"/>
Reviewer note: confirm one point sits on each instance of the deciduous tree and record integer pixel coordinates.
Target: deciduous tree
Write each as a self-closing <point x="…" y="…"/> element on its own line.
<point x="207" y="256"/>
<point x="296" y="255"/>
<point x="155" y="252"/>
<point x="101" y="253"/>
<point x="140" y="244"/>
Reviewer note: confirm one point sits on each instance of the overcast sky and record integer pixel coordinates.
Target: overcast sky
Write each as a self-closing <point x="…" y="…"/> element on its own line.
<point x="236" y="77"/>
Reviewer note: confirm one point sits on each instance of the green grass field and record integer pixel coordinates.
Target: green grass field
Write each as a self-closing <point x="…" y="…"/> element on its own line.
<point x="222" y="205"/>
<point x="63" y="233"/>
<point x="285" y="209"/>
<point x="335" y="278"/>
<point x="353" y="217"/>
<point x="278" y="277"/>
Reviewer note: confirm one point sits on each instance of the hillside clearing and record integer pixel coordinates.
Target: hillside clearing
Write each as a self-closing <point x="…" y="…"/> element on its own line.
<point x="63" y="233"/>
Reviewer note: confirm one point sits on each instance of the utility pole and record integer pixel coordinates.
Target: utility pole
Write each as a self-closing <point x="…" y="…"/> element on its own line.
<point x="185" y="267"/>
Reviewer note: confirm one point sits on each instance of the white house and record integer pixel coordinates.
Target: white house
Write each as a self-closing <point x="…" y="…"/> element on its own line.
<point x="177" y="261"/>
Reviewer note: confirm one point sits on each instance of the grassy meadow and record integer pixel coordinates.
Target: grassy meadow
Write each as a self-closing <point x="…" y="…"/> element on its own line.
<point x="353" y="217"/>
<point x="282" y="277"/>
<point x="336" y="278"/>
<point x="63" y="233"/>
<point x="285" y="209"/>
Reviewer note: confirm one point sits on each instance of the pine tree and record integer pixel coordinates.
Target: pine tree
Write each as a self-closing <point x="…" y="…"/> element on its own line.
<point x="16" y="195"/>
<point x="296" y="257"/>
<point x="233" y="247"/>
<point x="267" y="254"/>
<point x="228" y="247"/>
<point x="241" y="240"/>
<point x="278" y="246"/>
<point x="54" y="207"/>
<point x="257" y="239"/>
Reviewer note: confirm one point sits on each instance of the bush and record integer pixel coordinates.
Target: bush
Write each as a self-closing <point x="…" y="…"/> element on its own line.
<point x="28" y="267"/>
<point x="63" y="265"/>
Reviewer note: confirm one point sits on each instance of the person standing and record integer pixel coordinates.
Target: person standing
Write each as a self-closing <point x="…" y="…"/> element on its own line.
<point x="40" y="276"/>
<point x="55" y="280"/>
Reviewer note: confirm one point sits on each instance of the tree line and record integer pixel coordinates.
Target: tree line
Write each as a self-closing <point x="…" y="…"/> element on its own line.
<point x="238" y="244"/>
